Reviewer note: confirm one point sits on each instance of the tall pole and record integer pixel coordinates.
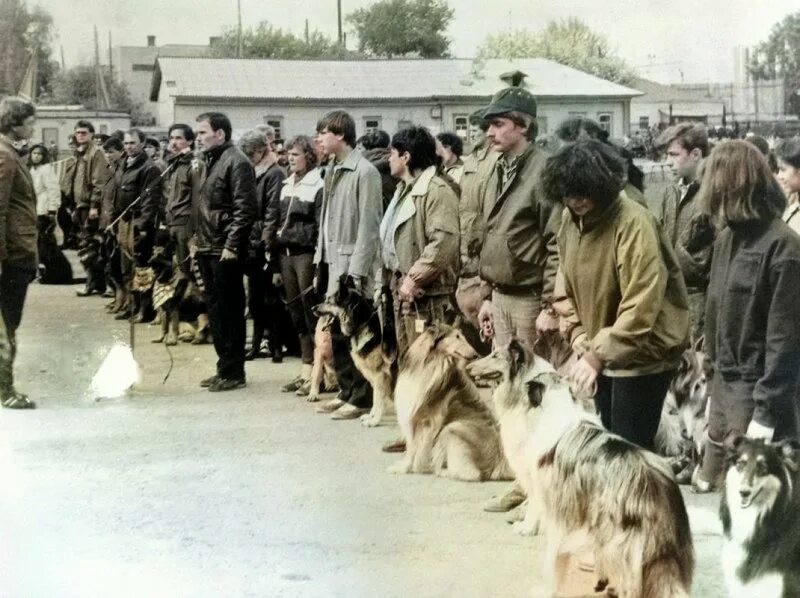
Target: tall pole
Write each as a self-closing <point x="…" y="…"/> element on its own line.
<point x="110" y="61"/>
<point x="239" y="30"/>
<point x="339" y="18"/>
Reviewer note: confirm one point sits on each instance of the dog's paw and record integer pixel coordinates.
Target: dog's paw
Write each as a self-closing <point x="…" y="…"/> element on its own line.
<point x="171" y="340"/>
<point x="312" y="398"/>
<point x="525" y="528"/>
<point x="398" y="468"/>
<point x="370" y="420"/>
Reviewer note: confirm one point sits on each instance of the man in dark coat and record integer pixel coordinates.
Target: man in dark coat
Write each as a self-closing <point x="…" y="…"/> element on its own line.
<point x="17" y="238"/>
<point x="222" y="219"/>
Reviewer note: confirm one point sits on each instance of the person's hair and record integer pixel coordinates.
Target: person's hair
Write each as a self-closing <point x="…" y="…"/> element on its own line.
<point x="761" y="143"/>
<point x="738" y="186"/>
<point x="152" y="142"/>
<point x="186" y="131"/>
<point x="268" y="130"/>
<point x="306" y="145"/>
<point x="420" y="145"/>
<point x="138" y="134"/>
<point x="341" y="123"/>
<point x="789" y="151"/>
<point x="576" y="128"/>
<point x="13" y="112"/>
<point x="453" y="141"/>
<point x="217" y="121"/>
<point x="688" y="135"/>
<point x="113" y="143"/>
<point x="375" y="139"/>
<point x="101" y="137"/>
<point x="119" y="134"/>
<point x="523" y="119"/>
<point x="587" y="168"/>
<point x="84" y="124"/>
<point x="45" y="154"/>
<point x="252" y="141"/>
<point x="71" y="140"/>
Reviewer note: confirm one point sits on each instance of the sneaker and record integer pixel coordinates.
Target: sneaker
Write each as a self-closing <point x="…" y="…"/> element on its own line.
<point x="205" y="383"/>
<point x="330" y="406"/>
<point x="224" y="384"/>
<point x="17" y="400"/>
<point x="293" y="385"/>
<point x="505" y="502"/>
<point x="348" y="411"/>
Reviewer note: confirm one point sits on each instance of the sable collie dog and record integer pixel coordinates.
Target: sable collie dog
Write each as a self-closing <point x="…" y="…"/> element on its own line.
<point x="448" y="429"/>
<point x="683" y="417"/>
<point x="584" y="478"/>
<point x="322" y="372"/>
<point x="373" y="345"/>
<point x="760" y="513"/>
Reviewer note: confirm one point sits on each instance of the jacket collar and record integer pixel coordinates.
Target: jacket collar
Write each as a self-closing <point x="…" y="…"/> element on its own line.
<point x="597" y="218"/>
<point x="215" y="152"/>
<point x="311" y="178"/>
<point x="423" y="181"/>
<point x="181" y="158"/>
<point x="350" y="162"/>
<point x="20" y="147"/>
<point x="140" y="159"/>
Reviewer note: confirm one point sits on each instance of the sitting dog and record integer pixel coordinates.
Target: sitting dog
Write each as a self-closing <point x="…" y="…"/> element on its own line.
<point x="90" y="255"/>
<point x="448" y="429"/>
<point x="54" y="267"/>
<point x="373" y="344"/>
<point x="169" y="287"/>
<point x="760" y="513"/>
<point x="683" y="417"/>
<point x="583" y="478"/>
<point x="323" y="375"/>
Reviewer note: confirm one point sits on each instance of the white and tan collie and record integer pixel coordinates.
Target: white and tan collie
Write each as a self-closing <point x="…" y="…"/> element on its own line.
<point x="448" y="429"/>
<point x="583" y="478"/>
<point x="760" y="513"/>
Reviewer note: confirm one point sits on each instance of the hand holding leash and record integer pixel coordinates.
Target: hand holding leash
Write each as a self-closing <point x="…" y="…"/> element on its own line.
<point x="584" y="374"/>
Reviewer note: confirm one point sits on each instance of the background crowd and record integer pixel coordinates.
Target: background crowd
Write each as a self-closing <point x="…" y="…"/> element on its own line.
<point x="521" y="242"/>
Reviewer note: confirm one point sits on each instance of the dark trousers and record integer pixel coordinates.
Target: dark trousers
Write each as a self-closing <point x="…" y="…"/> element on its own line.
<point x="297" y="272"/>
<point x="631" y="407"/>
<point x="224" y="295"/>
<point x="14" y="281"/>
<point x="354" y="387"/>
<point x="180" y="235"/>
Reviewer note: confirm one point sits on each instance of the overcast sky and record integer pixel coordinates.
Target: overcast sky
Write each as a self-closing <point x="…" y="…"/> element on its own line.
<point x="663" y="39"/>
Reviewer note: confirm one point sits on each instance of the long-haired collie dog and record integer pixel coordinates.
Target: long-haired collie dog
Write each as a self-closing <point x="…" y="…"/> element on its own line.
<point x="448" y="429"/>
<point x="683" y="417"/>
<point x="373" y="345"/>
<point x="584" y="478"/>
<point x="760" y="513"/>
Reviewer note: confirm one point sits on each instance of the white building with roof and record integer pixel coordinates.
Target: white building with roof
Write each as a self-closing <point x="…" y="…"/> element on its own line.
<point x="292" y="95"/>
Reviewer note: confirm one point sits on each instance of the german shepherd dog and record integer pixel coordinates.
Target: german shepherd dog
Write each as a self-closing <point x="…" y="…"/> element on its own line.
<point x="584" y="478"/>
<point x="373" y="344"/>
<point x="169" y="288"/>
<point x="448" y="429"/>
<point x="760" y="513"/>
<point x="683" y="417"/>
<point x="90" y="255"/>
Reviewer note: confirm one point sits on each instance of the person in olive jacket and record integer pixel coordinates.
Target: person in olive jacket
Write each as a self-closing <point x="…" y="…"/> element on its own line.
<point x="752" y="322"/>
<point x="222" y="218"/>
<point x="17" y="238"/>
<point x="625" y="283"/>
<point x="419" y="238"/>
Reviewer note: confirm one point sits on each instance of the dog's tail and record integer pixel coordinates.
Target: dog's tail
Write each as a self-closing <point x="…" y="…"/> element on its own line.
<point x="667" y="577"/>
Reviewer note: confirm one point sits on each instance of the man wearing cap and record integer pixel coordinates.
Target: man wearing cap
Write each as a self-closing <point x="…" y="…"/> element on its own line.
<point x="519" y="256"/>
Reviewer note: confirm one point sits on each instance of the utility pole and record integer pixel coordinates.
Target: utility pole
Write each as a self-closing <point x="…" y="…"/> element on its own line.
<point x="63" y="64"/>
<point x="239" y="30"/>
<point x="306" y="30"/>
<point x="110" y="61"/>
<point x="101" y="92"/>
<point x="339" y="18"/>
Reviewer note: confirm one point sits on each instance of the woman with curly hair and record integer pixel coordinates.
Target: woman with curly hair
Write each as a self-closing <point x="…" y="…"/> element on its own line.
<point x="624" y="282"/>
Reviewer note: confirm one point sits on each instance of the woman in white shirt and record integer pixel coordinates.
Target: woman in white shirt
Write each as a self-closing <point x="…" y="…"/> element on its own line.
<point x="45" y="182"/>
<point x="788" y="155"/>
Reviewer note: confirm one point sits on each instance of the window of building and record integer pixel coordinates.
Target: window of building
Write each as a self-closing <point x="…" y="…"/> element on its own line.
<point x="577" y="115"/>
<point x="404" y="124"/>
<point x="604" y="119"/>
<point x="461" y="125"/>
<point x="644" y="122"/>
<point x="276" y="122"/>
<point x="103" y="129"/>
<point x="143" y="67"/>
<point x="371" y="123"/>
<point x="541" y="122"/>
<point x="49" y="134"/>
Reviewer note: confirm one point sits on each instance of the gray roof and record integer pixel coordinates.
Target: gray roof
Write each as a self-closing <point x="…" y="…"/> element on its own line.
<point x="230" y="78"/>
<point x="658" y="93"/>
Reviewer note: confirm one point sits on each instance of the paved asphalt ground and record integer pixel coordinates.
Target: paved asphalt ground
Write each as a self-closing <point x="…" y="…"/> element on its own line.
<point x="175" y="491"/>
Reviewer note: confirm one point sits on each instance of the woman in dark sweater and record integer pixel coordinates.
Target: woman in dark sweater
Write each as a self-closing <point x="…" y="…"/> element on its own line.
<point x="752" y="313"/>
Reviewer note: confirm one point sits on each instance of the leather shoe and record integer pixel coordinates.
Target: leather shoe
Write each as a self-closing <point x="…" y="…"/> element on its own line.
<point x="206" y="382"/>
<point x="330" y="406"/>
<point x="505" y="502"/>
<point x="225" y="384"/>
<point x="348" y="411"/>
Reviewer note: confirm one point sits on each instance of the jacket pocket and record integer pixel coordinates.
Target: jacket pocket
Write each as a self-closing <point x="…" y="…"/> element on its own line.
<point x="743" y="276"/>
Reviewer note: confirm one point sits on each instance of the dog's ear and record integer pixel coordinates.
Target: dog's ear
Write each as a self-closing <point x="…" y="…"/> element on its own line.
<point x="790" y="454"/>
<point x="536" y="389"/>
<point x="517" y="357"/>
<point x="699" y="344"/>
<point x="733" y="441"/>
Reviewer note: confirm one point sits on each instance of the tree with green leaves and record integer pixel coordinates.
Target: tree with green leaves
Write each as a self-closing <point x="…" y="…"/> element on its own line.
<point x="569" y="42"/>
<point x="779" y="58"/>
<point x="24" y="32"/>
<point x="394" y="28"/>
<point x="78" y="86"/>
<point x="267" y="41"/>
